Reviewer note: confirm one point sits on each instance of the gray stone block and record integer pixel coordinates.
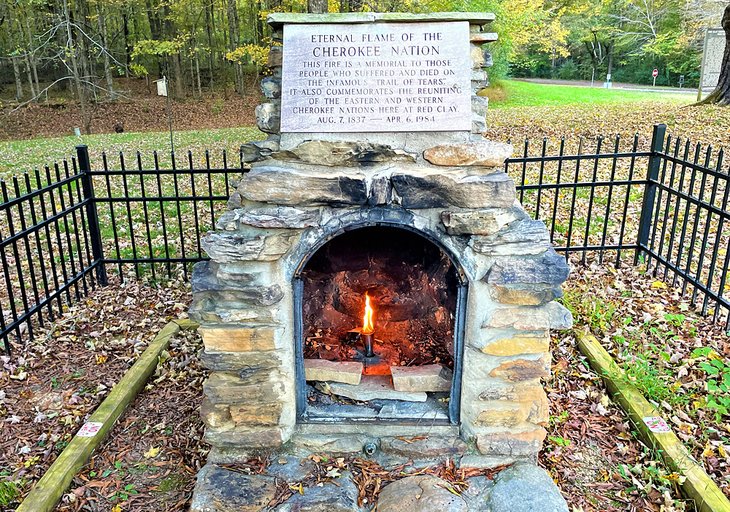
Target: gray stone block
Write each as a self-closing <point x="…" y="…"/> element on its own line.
<point x="339" y="495"/>
<point x="347" y="154"/>
<point x="288" y="186"/>
<point x="533" y="485"/>
<point x="222" y="490"/>
<point x="448" y="189"/>
<point x="246" y="291"/>
<point x="422" y="447"/>
<point x="524" y="236"/>
<point x="268" y="117"/>
<point x="224" y="247"/>
<point x="424" y="493"/>
<point x="271" y="87"/>
<point x="374" y="387"/>
<point x="268" y="217"/>
<point x="545" y="268"/>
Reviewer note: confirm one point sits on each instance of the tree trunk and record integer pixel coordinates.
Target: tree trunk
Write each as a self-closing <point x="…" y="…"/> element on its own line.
<point x="317" y="6"/>
<point x="18" y="79"/>
<point x="233" y="31"/>
<point x="721" y="94"/>
<point x="209" y="32"/>
<point x="105" y="51"/>
<point x="127" y="46"/>
<point x="80" y="93"/>
<point x="31" y="84"/>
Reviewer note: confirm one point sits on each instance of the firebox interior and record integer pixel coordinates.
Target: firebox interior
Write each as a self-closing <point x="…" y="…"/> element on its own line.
<point x="415" y="291"/>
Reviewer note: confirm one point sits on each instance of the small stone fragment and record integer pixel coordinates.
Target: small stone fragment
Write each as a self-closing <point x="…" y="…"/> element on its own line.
<point x="348" y="372"/>
<point x="429" y="378"/>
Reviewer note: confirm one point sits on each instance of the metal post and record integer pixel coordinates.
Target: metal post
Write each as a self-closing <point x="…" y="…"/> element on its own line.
<point x="82" y="155"/>
<point x="652" y="175"/>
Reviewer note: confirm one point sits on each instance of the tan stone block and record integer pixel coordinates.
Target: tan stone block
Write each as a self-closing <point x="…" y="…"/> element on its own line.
<point x="216" y="416"/>
<point x="511" y="443"/>
<point x="430" y="378"/>
<point x="502" y="414"/>
<point x="349" y="372"/>
<point x="525" y="295"/>
<point x="256" y="414"/>
<point x="539" y="409"/>
<point x="516" y="345"/>
<point x="246" y="438"/>
<point x="518" y="370"/>
<point x="230" y="388"/>
<point x="238" y="339"/>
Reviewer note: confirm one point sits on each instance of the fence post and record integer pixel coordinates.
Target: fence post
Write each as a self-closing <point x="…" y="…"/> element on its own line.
<point x="82" y="155"/>
<point x="652" y="176"/>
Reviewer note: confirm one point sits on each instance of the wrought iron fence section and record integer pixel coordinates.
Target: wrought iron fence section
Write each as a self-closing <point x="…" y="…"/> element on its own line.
<point x="601" y="180"/>
<point x="62" y="230"/>
<point x="45" y="252"/>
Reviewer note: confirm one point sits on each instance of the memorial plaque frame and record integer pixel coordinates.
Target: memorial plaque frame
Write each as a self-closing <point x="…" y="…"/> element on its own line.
<point x="376" y="77"/>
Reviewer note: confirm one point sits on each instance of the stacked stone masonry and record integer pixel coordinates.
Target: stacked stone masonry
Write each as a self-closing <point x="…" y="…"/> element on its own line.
<point x="291" y="201"/>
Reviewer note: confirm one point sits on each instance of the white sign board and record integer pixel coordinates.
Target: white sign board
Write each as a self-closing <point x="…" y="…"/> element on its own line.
<point x="161" y="86"/>
<point x="376" y="77"/>
<point x="712" y="58"/>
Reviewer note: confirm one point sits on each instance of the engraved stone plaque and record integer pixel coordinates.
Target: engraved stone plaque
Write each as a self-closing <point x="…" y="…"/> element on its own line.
<point x="376" y="77"/>
<point x="712" y="58"/>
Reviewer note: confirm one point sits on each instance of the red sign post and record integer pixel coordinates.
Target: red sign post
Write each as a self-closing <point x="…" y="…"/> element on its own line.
<point x="655" y="74"/>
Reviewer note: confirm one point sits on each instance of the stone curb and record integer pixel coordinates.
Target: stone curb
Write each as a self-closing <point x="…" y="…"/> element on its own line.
<point x="698" y="485"/>
<point x="49" y="489"/>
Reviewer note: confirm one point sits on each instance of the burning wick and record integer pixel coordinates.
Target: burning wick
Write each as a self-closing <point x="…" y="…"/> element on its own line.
<point x="367" y="328"/>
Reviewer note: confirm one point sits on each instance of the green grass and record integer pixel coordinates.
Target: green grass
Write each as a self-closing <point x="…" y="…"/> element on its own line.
<point x="512" y="93"/>
<point x="17" y="157"/>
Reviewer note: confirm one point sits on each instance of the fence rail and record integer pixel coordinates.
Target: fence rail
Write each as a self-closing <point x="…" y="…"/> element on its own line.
<point x="64" y="229"/>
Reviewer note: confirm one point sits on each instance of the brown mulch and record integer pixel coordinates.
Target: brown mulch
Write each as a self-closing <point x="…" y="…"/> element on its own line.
<point x="51" y="384"/>
<point x="151" y="457"/>
<point x="140" y="111"/>
<point x="658" y="336"/>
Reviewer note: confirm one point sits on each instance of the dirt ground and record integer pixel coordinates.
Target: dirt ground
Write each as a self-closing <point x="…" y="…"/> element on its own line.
<point x="150" y="459"/>
<point x="139" y="109"/>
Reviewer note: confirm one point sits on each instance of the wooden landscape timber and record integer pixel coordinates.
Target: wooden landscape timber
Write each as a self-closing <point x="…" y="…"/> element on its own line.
<point x="697" y="485"/>
<point x="50" y="488"/>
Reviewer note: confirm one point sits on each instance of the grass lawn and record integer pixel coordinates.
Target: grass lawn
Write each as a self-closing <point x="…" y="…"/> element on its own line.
<point x="20" y="156"/>
<point x="512" y="93"/>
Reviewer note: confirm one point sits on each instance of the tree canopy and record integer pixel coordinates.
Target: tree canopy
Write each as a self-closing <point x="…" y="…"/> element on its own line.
<point x="202" y="45"/>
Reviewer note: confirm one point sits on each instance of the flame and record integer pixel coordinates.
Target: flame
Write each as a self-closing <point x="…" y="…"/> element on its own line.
<point x="367" y="319"/>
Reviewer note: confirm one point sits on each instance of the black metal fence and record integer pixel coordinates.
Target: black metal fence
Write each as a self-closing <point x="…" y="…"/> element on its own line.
<point x="64" y="229"/>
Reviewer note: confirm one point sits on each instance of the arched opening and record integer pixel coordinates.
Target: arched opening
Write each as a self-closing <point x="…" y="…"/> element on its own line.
<point x="409" y="357"/>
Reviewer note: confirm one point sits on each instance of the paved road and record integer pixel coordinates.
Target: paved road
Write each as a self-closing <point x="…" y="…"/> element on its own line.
<point x="616" y="85"/>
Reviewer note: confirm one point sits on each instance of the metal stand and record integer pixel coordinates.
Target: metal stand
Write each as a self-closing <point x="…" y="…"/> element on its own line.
<point x="368" y="340"/>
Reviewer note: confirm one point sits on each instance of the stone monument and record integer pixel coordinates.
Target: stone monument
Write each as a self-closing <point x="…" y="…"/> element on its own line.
<point x="375" y="183"/>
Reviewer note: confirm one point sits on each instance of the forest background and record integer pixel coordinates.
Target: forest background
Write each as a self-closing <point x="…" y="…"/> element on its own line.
<point x="85" y="50"/>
